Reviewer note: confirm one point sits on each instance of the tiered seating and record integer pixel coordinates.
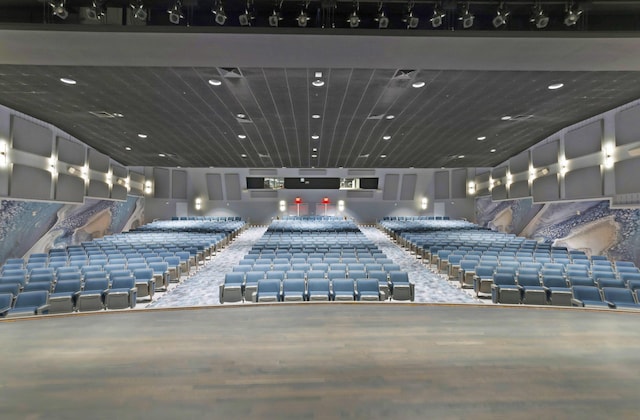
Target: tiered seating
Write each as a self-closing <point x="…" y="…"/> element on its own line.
<point x="320" y="258"/>
<point x="116" y="271"/>
<point x="512" y="269"/>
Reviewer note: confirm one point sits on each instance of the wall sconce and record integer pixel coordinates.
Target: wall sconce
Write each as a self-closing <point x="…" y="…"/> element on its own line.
<point x="563" y="167"/>
<point x="148" y="187"/>
<point x="608" y="156"/>
<point x="283" y="206"/>
<point x="109" y="178"/>
<point x="73" y="170"/>
<point x="491" y="181"/>
<point x="423" y="203"/>
<point x="509" y="179"/>
<point x="53" y="162"/>
<point x="472" y="188"/>
<point x="4" y="158"/>
<point x="340" y="205"/>
<point x="127" y="183"/>
<point x="84" y="172"/>
<point x="198" y="203"/>
<point x="532" y="173"/>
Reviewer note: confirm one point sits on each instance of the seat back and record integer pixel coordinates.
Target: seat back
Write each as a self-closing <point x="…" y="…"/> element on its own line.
<point x="528" y="279"/>
<point x="618" y="295"/>
<point x="268" y="286"/>
<point x="123" y="283"/>
<point x="6" y="299"/>
<point x="504" y="279"/>
<point x="12" y="288"/>
<point x="143" y="274"/>
<point x="367" y="285"/>
<point x="235" y="278"/>
<point x="397" y="277"/>
<point x="94" y="285"/>
<point x="554" y="281"/>
<point x="33" y="298"/>
<point x="65" y="286"/>
<point x="293" y="286"/>
<point x="318" y="285"/>
<point x="608" y="282"/>
<point x="588" y="293"/>
<point x="343" y="285"/>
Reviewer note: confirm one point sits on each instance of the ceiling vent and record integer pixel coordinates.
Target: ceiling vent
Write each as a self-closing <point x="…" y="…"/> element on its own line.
<point x="102" y="114"/>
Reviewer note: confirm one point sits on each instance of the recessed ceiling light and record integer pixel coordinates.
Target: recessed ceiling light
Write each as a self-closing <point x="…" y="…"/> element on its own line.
<point x="67" y="81"/>
<point x="318" y="74"/>
<point x="315" y="137"/>
<point x="314" y="156"/>
<point x="390" y="117"/>
<point x="482" y="138"/>
<point x="383" y="156"/>
<point x="241" y="115"/>
<point x="387" y="137"/>
<point x="215" y="82"/>
<point x="555" y="86"/>
<point x="127" y="148"/>
<point x="315" y="149"/>
<point x="142" y="136"/>
<point x="242" y="136"/>
<point x="492" y="150"/>
<point x="317" y="83"/>
<point x="243" y="155"/>
<point x="460" y="156"/>
<point x="162" y="155"/>
<point x="506" y="118"/>
<point x="117" y="114"/>
<point x="418" y="85"/>
<point x="315" y="116"/>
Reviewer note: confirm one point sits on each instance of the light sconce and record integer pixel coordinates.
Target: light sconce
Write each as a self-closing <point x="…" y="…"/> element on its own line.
<point x="148" y="187"/>
<point x="198" y="203"/>
<point x="4" y="158"/>
<point x="608" y="156"/>
<point x="139" y="11"/>
<point x="283" y="206"/>
<point x="532" y="173"/>
<point x="472" y="188"/>
<point x="109" y="178"/>
<point x="58" y="9"/>
<point x="84" y="172"/>
<point x="491" y="183"/>
<point x="53" y="163"/>
<point x="563" y="167"/>
<point x="423" y="203"/>
<point x="340" y="205"/>
<point x="509" y="178"/>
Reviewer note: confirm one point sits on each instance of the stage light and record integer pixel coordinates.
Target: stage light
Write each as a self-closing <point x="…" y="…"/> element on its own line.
<point x="59" y="10"/>
<point x="246" y="18"/>
<point x="354" y="19"/>
<point x="538" y="17"/>
<point x="275" y="18"/>
<point x="96" y="11"/>
<point x="198" y="204"/>
<point x="437" y="16"/>
<point x="501" y="16"/>
<point x="572" y="14"/>
<point x="139" y="11"/>
<point x="383" y="21"/>
<point x="218" y="11"/>
<point x="175" y="13"/>
<point x="302" y="19"/>
<point x="467" y="18"/>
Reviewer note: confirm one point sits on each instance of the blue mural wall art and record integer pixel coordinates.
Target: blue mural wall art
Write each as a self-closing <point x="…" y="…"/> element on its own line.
<point x="591" y="226"/>
<point x="27" y="227"/>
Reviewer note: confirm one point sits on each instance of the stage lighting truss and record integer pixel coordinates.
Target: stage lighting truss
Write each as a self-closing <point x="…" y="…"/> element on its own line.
<point x="410" y="19"/>
<point x="246" y="18"/>
<point x="303" y="17"/>
<point x="275" y="17"/>
<point x="501" y="16"/>
<point x="58" y="9"/>
<point x="96" y="11"/>
<point x="139" y="12"/>
<point x="175" y="13"/>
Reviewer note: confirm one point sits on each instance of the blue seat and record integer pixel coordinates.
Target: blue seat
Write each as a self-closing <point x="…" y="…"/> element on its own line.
<point x="318" y="290"/>
<point x="558" y="293"/>
<point x="401" y="287"/>
<point x="30" y="303"/>
<point x="620" y="298"/>
<point x="483" y="279"/>
<point x="383" y="282"/>
<point x="11" y="288"/>
<point x="367" y="289"/>
<point x="64" y="296"/>
<point x="91" y="298"/>
<point x="587" y="296"/>
<point x="251" y="284"/>
<point x="6" y="301"/>
<point x="122" y="294"/>
<point x="293" y="289"/>
<point x="268" y="291"/>
<point x="343" y="289"/>
<point x="504" y="289"/>
<point x="145" y="283"/>
<point x="532" y="292"/>
<point x="39" y="285"/>
<point x="610" y="282"/>
<point x="160" y="274"/>
<point x="232" y="288"/>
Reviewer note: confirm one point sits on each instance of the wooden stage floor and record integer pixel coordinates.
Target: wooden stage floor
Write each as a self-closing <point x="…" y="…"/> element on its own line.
<point x="324" y="361"/>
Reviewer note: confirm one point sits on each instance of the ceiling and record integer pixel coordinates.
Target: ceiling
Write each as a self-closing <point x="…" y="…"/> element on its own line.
<point x="154" y="80"/>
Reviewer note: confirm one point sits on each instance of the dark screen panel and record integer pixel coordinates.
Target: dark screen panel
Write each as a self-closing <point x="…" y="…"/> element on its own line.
<point x="369" y="183"/>
<point x="312" y="183"/>
<point x="254" y="183"/>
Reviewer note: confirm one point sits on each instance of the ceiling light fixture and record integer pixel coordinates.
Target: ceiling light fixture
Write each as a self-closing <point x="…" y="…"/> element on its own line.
<point x="387" y="137"/>
<point x="315" y="137"/>
<point x="466" y="17"/>
<point x="538" y="17"/>
<point x="58" y="9"/>
<point x="482" y="138"/>
<point x="437" y="16"/>
<point x="383" y="156"/>
<point x="506" y="118"/>
<point x="96" y="10"/>
<point x="241" y="115"/>
<point x="242" y="136"/>
<point x="175" y="13"/>
<point x="411" y="20"/>
<point x="418" y="85"/>
<point x="354" y="19"/>
<point x="572" y="14"/>
<point x="215" y="82"/>
<point x="142" y="136"/>
<point x="555" y="86"/>
<point x="314" y="156"/>
<point x="460" y="156"/>
<point x="246" y="18"/>
<point x="139" y="11"/>
<point x="317" y="83"/>
<point x="492" y="150"/>
<point x="128" y="149"/>
<point x="501" y="16"/>
<point x="162" y="155"/>
<point x="243" y="155"/>
<point x="218" y="11"/>
<point x="390" y="117"/>
<point x="275" y="18"/>
<point x="381" y="18"/>
<point x="303" y="17"/>
<point x="67" y="81"/>
<point x="315" y="116"/>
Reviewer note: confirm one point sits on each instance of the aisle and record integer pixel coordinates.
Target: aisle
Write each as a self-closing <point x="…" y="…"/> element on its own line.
<point x="202" y="288"/>
<point x="430" y="287"/>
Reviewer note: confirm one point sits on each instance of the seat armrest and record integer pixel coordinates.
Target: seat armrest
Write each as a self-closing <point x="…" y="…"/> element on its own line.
<point x="44" y="309"/>
<point x="611" y="304"/>
<point x="577" y="302"/>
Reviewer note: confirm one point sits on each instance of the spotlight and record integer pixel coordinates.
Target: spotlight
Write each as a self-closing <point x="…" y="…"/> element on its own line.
<point x="246" y="18"/>
<point x="501" y="16"/>
<point x="275" y="18"/>
<point x="467" y="18"/>
<point x="438" y="15"/>
<point x="354" y="19"/>
<point x="58" y="9"/>
<point x="218" y="11"/>
<point x="383" y="21"/>
<point x="302" y="19"/>
<point x="138" y="10"/>
<point x="539" y="18"/>
<point x="96" y="11"/>
<point x="572" y="15"/>
<point x="412" y="21"/>
<point x="175" y="13"/>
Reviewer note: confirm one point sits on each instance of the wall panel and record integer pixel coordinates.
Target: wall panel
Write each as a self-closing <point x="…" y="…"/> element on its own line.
<point x="31" y="183"/>
<point x="545" y="155"/>
<point x="459" y="183"/>
<point x="441" y="185"/>
<point x="161" y="183"/>
<point x="583" y="141"/>
<point x="232" y="186"/>
<point x="408" y="188"/>
<point x="179" y="184"/>
<point x="546" y="188"/>
<point x="628" y="126"/>
<point x="70" y="188"/>
<point x="214" y="186"/>
<point x="583" y="183"/>
<point x="390" y="188"/>
<point x="30" y="137"/>
<point x="626" y="175"/>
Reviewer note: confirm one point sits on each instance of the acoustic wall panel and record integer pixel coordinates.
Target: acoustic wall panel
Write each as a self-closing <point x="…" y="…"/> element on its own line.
<point x="98" y="161"/>
<point x="30" y="137"/>
<point x="546" y="188"/>
<point x="459" y="183"/>
<point x="71" y="152"/>
<point x="390" y="188"/>
<point x="441" y="187"/>
<point x="232" y="186"/>
<point x="98" y="189"/>
<point x="408" y="188"/>
<point x="583" y="183"/>
<point x="583" y="141"/>
<point x="482" y="179"/>
<point x="545" y="155"/>
<point x="137" y="184"/>
<point x="361" y="173"/>
<point x="628" y="126"/>
<point x="499" y="193"/>
<point x="264" y="194"/>
<point x="179" y="184"/>
<point x="29" y="182"/>
<point x="69" y="188"/>
<point x="359" y="194"/>
<point x="263" y="172"/>
<point x="498" y="173"/>
<point x="312" y="172"/>
<point x="626" y="174"/>
<point x="519" y="163"/>
<point x="214" y="186"/>
<point x="118" y="192"/>
<point x="119" y="172"/>
<point x="519" y="189"/>
<point x="161" y="183"/>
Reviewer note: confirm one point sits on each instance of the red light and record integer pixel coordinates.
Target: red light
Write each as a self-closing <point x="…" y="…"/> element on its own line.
<point x="325" y="200"/>
<point x="298" y="200"/>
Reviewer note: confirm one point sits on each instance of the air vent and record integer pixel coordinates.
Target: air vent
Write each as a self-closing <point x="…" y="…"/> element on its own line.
<point x="230" y="72"/>
<point x="521" y="117"/>
<point x="102" y="114"/>
<point x="404" y="74"/>
<point x="375" y="117"/>
<point x="363" y="156"/>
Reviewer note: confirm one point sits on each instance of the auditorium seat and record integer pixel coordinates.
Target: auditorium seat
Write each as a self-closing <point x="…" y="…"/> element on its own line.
<point x="558" y="292"/>
<point x="620" y="298"/>
<point x="293" y="289"/>
<point x="532" y="291"/>
<point x="367" y="289"/>
<point x="268" y="291"/>
<point x="383" y="282"/>
<point x="6" y="301"/>
<point x="91" y="298"/>
<point x="145" y="283"/>
<point x="343" y="289"/>
<point x="504" y="289"/>
<point x="587" y="296"/>
<point x="318" y="290"/>
<point x="232" y="288"/>
<point x="251" y="284"/>
<point x="64" y="296"/>
<point x="29" y="304"/>
<point x="122" y="294"/>
<point x="401" y="287"/>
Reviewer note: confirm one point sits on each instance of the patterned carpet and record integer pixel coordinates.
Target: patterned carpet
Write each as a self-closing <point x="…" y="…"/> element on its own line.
<point x="202" y="288"/>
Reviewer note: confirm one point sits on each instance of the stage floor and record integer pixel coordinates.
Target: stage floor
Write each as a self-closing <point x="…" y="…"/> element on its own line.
<point x="323" y="361"/>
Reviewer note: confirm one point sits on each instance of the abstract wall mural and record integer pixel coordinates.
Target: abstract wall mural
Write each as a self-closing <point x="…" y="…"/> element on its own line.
<point x="588" y="225"/>
<point x="27" y="226"/>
